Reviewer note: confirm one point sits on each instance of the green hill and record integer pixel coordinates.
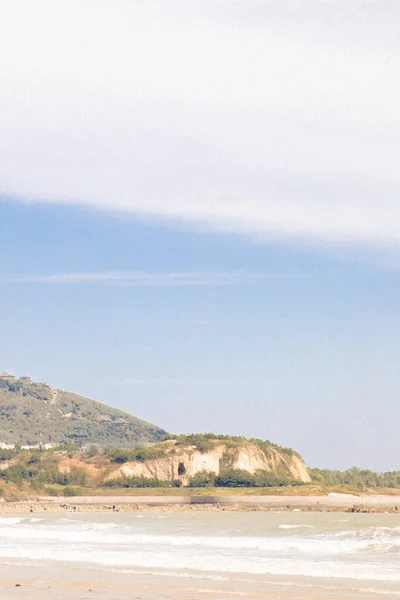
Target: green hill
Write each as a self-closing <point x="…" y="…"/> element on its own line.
<point x="34" y="413"/>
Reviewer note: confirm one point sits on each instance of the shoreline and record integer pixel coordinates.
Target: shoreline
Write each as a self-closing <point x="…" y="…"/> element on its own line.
<point x="329" y="503"/>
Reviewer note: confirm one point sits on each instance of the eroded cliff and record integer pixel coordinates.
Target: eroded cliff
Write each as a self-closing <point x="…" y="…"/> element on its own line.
<point x="183" y="464"/>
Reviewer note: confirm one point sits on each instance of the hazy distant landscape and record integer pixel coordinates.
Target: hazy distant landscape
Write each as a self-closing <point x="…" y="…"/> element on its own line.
<point x="60" y="443"/>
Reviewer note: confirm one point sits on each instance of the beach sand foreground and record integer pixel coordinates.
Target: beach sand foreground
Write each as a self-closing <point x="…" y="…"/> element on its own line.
<point x="58" y="583"/>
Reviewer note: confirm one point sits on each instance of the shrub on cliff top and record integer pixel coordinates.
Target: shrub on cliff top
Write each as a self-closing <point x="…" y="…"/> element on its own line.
<point x="122" y="455"/>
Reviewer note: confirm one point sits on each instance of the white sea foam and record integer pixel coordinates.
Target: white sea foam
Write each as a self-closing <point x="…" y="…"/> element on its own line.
<point x="364" y="548"/>
<point x="329" y="545"/>
<point x="10" y="520"/>
<point x="286" y="526"/>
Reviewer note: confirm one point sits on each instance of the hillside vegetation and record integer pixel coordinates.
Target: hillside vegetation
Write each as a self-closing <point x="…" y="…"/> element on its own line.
<point x="359" y="478"/>
<point x="196" y="461"/>
<point x="34" y="413"/>
<point x="68" y="471"/>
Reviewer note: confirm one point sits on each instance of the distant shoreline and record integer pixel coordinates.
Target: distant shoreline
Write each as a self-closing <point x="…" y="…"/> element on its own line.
<point x="331" y="502"/>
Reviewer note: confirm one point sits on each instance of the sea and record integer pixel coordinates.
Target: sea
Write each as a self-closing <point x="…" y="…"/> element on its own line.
<point x="360" y="551"/>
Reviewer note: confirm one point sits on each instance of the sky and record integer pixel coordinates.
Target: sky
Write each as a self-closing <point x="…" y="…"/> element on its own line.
<point x="200" y="214"/>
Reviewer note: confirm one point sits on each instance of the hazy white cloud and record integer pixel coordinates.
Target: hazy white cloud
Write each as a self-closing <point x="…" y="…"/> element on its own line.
<point x="276" y="119"/>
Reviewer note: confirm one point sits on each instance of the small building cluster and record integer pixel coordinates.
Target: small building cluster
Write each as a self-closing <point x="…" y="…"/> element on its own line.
<point x="6" y="375"/>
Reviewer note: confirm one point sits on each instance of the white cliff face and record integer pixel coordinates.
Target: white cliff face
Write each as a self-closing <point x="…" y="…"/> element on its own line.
<point x="209" y="461"/>
<point x="183" y="464"/>
<point x="299" y="470"/>
<point x="248" y="458"/>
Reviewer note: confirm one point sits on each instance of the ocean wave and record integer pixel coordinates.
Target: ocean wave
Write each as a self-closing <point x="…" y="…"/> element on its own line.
<point x="108" y="535"/>
<point x="315" y="549"/>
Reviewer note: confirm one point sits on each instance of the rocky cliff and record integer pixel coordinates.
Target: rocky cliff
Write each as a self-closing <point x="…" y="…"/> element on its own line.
<point x="183" y="464"/>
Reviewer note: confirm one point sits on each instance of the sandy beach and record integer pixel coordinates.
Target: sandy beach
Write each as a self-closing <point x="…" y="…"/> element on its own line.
<point x="330" y="502"/>
<point x="66" y="583"/>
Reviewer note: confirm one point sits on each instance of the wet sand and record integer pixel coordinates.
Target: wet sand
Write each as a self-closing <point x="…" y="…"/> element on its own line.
<point x="331" y="502"/>
<point x="72" y="583"/>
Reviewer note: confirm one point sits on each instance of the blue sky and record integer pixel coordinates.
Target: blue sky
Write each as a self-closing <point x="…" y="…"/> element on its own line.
<point x="200" y="217"/>
<point x="270" y="340"/>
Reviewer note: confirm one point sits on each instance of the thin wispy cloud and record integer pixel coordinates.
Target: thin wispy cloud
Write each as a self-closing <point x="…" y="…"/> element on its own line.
<point x="138" y="279"/>
<point x="272" y="119"/>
